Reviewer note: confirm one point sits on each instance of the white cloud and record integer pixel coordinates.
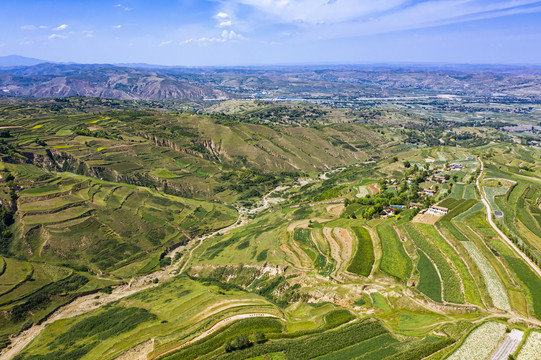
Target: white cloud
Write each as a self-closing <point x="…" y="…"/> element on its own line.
<point x="225" y="36"/>
<point x="221" y="15"/>
<point x="61" y="27"/>
<point x="225" y="23"/>
<point x="224" y="19"/>
<point x="344" y="18"/>
<point x="43" y="27"/>
<point x="88" y="33"/>
<point x="128" y="9"/>
<point x="231" y="35"/>
<point x="28" y="27"/>
<point x="163" y="43"/>
<point x="117" y="5"/>
<point x="316" y="11"/>
<point x="116" y="26"/>
<point x="57" y="36"/>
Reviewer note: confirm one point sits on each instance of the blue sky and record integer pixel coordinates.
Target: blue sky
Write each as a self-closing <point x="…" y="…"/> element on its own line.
<point x="252" y="32"/>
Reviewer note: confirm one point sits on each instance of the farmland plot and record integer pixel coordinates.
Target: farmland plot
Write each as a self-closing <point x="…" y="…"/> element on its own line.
<point x="395" y="261"/>
<point x="531" y="350"/>
<point x="494" y="284"/>
<point x="493" y="191"/>
<point x="363" y="260"/>
<point x="480" y="343"/>
<point x="430" y="282"/>
<point x="452" y="291"/>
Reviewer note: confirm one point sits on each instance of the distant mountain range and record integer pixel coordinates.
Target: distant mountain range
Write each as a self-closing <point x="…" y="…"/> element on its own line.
<point x="21" y="76"/>
<point x="102" y="80"/>
<point x="16" y="60"/>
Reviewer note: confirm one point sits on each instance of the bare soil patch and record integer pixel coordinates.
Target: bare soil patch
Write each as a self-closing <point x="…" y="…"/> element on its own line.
<point x="425" y="219"/>
<point x="373" y="189"/>
<point x="335" y="210"/>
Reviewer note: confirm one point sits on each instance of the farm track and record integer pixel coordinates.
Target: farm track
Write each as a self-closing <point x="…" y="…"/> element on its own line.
<point x="220" y="324"/>
<point x="530" y="263"/>
<point x="88" y="303"/>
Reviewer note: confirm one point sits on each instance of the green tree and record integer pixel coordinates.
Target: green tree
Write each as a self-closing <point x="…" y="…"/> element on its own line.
<point x="259" y="337"/>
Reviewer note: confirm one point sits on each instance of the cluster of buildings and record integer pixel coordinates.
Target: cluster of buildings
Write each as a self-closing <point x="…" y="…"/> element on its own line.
<point x="427" y="192"/>
<point x="432" y="210"/>
<point x="455" y="167"/>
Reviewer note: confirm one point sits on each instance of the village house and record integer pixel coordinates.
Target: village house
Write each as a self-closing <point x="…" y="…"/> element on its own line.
<point x="440" y="179"/>
<point x="427" y="192"/>
<point x="437" y="210"/>
<point x="455" y="167"/>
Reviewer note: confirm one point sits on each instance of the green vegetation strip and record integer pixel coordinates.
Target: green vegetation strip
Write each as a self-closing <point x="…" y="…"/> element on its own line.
<point x="530" y="280"/>
<point x="87" y="334"/>
<point x="306" y="347"/>
<point x="493" y="283"/>
<point x="394" y="261"/>
<point x="304" y="237"/>
<point x="456" y="207"/>
<point x="470" y="288"/>
<point x="451" y="284"/>
<point x="429" y="282"/>
<point x="363" y="260"/>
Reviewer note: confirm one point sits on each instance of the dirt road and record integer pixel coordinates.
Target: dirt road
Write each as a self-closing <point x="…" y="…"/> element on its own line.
<point x="88" y="303"/>
<point x="504" y="237"/>
<point x="220" y="324"/>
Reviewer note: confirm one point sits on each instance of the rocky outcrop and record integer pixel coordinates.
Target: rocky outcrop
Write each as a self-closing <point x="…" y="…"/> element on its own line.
<point x="213" y="149"/>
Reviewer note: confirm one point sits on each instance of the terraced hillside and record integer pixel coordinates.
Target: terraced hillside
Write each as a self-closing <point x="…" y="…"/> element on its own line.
<point x="184" y="154"/>
<point x="309" y="251"/>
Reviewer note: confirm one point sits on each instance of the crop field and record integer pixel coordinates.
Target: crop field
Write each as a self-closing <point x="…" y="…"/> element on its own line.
<point x="531" y="349"/>
<point x="451" y="282"/>
<point x="363" y="260"/>
<point x="458" y="191"/>
<point x="493" y="191"/>
<point x="463" y="191"/>
<point x="456" y="207"/>
<point x="471" y="291"/>
<point x="394" y="259"/>
<point x="480" y="342"/>
<point x="493" y="283"/>
<point x="429" y="282"/>
<point x="531" y="282"/>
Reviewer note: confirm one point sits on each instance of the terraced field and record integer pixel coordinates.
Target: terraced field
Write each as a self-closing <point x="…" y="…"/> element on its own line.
<point x="129" y="223"/>
<point x="452" y="286"/>
<point x="268" y="258"/>
<point x="394" y="259"/>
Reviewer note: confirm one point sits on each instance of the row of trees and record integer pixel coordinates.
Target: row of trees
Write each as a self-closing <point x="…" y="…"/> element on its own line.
<point x="242" y="341"/>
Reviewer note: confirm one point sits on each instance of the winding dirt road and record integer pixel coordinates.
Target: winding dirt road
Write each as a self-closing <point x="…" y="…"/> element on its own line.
<point x="220" y="324"/>
<point x="88" y="303"/>
<point x="504" y="237"/>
